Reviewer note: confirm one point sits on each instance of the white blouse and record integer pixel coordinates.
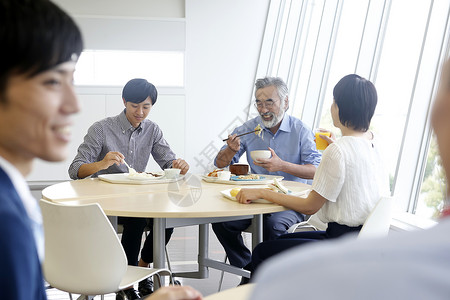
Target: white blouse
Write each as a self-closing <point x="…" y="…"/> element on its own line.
<point x="352" y="178"/>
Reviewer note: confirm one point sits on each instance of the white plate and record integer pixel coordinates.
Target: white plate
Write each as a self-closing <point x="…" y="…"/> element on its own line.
<point x="267" y="179"/>
<point x="123" y="178"/>
<point x="226" y="194"/>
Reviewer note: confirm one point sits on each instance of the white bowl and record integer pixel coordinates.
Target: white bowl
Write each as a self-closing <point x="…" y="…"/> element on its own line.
<point x="172" y="173"/>
<point x="260" y="154"/>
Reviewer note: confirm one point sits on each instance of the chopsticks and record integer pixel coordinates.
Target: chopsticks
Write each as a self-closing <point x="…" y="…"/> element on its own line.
<point x="243" y="134"/>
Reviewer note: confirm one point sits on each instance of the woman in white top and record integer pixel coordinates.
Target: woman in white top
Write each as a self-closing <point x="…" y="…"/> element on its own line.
<point x="349" y="180"/>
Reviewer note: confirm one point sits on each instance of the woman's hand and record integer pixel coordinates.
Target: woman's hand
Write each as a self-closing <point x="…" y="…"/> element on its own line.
<point x="245" y="196"/>
<point x="331" y="139"/>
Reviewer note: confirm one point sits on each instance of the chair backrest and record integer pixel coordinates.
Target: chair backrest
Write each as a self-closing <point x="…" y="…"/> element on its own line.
<point x="379" y="220"/>
<point x="83" y="254"/>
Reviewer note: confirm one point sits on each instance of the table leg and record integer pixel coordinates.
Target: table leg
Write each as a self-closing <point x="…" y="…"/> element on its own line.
<point x="257" y="232"/>
<point x="159" y="237"/>
<point x="203" y="249"/>
<point x="113" y="220"/>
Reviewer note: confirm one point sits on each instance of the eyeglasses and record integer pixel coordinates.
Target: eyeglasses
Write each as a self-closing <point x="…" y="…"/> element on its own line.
<point x="267" y="104"/>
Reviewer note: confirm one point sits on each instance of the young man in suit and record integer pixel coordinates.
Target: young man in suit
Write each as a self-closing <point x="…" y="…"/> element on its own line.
<point x="40" y="47"/>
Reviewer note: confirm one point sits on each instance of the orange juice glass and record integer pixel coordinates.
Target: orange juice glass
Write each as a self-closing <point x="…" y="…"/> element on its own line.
<point x="322" y="144"/>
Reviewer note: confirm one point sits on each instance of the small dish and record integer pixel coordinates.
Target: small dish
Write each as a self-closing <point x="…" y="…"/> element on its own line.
<point x="260" y="154"/>
<point x="239" y="169"/>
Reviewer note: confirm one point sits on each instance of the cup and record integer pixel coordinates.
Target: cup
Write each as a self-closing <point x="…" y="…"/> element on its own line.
<point x="322" y="144"/>
<point x="172" y="173"/>
<point x="224" y="175"/>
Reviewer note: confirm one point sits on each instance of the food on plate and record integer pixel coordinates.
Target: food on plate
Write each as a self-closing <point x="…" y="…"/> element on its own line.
<point x="155" y="174"/>
<point x="248" y="177"/>
<point x="140" y="175"/>
<point x="214" y="173"/>
<point x="259" y="131"/>
<point x="234" y="192"/>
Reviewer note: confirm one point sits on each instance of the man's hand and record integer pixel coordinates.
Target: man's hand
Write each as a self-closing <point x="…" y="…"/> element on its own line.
<point x="181" y="164"/>
<point x="272" y="164"/>
<point x="112" y="157"/>
<point x="234" y="142"/>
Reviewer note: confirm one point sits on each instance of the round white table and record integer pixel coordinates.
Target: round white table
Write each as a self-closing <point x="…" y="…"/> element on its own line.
<point x="188" y="201"/>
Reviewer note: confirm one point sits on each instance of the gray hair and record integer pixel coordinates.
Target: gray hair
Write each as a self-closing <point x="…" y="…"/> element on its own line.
<point x="277" y="82"/>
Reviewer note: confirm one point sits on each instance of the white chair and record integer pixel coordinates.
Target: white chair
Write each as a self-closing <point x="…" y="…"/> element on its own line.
<point x="378" y="222"/>
<point x="83" y="254"/>
<point x="312" y="223"/>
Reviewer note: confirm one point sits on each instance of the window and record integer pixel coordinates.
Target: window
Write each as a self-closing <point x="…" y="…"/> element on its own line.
<point x="115" y="68"/>
<point x="433" y="187"/>
<point x="315" y="43"/>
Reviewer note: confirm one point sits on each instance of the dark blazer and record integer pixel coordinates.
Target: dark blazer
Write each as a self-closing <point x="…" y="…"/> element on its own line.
<point x="20" y="270"/>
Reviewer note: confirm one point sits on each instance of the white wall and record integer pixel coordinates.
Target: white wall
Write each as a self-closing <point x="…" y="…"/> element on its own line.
<point x="222" y="41"/>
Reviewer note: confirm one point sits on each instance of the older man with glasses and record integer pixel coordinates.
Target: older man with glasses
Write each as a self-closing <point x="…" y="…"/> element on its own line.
<point x="294" y="156"/>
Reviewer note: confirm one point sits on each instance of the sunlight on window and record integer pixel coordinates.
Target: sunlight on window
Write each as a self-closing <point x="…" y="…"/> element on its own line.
<point x="433" y="188"/>
<point x="115" y="68"/>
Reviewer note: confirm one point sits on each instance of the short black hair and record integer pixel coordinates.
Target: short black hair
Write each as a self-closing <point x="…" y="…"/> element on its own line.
<point x="356" y="98"/>
<point x="138" y="89"/>
<point x="35" y="36"/>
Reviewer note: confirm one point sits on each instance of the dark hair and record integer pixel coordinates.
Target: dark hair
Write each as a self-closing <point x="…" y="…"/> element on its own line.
<point x="356" y="98"/>
<point x="35" y="36"/>
<point x="138" y="89"/>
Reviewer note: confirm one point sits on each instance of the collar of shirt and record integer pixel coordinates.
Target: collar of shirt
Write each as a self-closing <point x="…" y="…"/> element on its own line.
<point x="126" y="125"/>
<point x="284" y="126"/>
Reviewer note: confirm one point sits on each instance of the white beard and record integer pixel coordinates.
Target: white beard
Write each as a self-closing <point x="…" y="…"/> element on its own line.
<point x="275" y="119"/>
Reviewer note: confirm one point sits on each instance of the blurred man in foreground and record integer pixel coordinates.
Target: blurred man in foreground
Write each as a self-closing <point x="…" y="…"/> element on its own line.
<point x="40" y="45"/>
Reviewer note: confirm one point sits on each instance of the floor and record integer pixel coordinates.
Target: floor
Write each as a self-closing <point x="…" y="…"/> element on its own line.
<point x="182" y="250"/>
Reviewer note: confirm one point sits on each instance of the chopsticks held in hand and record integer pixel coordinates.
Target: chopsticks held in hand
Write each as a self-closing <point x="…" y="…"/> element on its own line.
<point x="243" y="134"/>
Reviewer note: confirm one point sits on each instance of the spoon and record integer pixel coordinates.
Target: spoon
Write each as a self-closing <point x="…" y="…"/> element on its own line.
<point x="130" y="169"/>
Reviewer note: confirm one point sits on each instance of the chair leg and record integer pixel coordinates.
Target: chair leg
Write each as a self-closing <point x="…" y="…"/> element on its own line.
<point x="168" y="260"/>
<point x="173" y="281"/>
<point x="221" y="275"/>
